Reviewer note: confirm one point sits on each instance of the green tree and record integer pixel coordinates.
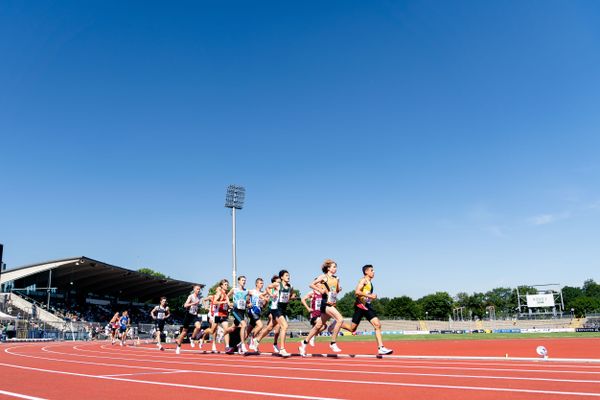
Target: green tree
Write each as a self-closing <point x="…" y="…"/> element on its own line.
<point x="379" y="305"/>
<point x="153" y="273"/>
<point x="571" y="293"/>
<point x="438" y="305"/>
<point x="402" y="307"/>
<point x="584" y="305"/>
<point x="591" y="289"/>
<point x="295" y="307"/>
<point x="502" y="299"/>
<point x="345" y="305"/>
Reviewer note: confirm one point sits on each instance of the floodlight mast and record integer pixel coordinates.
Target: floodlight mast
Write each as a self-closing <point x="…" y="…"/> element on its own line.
<point x="234" y="199"/>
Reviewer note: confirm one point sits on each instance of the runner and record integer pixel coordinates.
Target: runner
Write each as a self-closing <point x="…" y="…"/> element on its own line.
<point x="240" y="302"/>
<point x="272" y="291"/>
<point x="114" y="326"/>
<point x="208" y="303"/>
<point x="124" y="324"/>
<point x="221" y="302"/>
<point x="159" y="314"/>
<point x="362" y="306"/>
<point x="279" y="305"/>
<point x="315" y="297"/>
<point x="191" y="317"/>
<point x="257" y="299"/>
<point x="328" y="285"/>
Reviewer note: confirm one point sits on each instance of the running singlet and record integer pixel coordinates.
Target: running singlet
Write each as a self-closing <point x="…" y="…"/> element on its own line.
<point x="332" y="284"/>
<point x="239" y="298"/>
<point x="315" y="303"/>
<point x="212" y="308"/>
<point x="284" y="296"/>
<point x="255" y="299"/>
<point x="160" y="312"/>
<point x="124" y="321"/>
<point x="194" y="307"/>
<point x="365" y="302"/>
<point x="223" y="308"/>
<point x="273" y="305"/>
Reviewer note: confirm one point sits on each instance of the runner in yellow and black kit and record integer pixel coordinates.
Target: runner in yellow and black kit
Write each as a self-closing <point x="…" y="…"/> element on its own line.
<point x="362" y="307"/>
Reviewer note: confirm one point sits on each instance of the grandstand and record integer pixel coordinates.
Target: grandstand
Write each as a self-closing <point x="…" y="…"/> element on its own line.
<point x="76" y="295"/>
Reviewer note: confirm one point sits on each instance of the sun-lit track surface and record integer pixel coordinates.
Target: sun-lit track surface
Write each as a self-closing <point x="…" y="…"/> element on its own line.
<point x="94" y="370"/>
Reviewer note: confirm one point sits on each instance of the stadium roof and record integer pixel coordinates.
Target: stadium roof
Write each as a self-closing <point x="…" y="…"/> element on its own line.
<point x="100" y="278"/>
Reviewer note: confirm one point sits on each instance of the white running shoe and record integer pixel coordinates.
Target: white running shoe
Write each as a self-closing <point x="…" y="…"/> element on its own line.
<point x="192" y="344"/>
<point x="158" y="345"/>
<point x="302" y="349"/>
<point x="384" y="350"/>
<point x="312" y="341"/>
<point x="214" y="347"/>
<point x="334" y="347"/>
<point x="275" y="349"/>
<point x="253" y="345"/>
<point x="284" y="353"/>
<point x="121" y="343"/>
<point x="177" y="349"/>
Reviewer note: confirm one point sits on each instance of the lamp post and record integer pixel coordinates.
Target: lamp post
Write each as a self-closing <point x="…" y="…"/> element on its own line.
<point x="426" y="315"/>
<point x="234" y="199"/>
<point x="572" y="313"/>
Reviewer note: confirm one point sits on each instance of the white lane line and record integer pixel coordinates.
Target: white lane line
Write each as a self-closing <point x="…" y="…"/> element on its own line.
<point x="305" y="362"/>
<point x="148" y="373"/>
<point x="179" y="385"/>
<point x="327" y="370"/>
<point x="416" y="385"/>
<point x="397" y="384"/>
<point x="550" y="368"/>
<point x="21" y="396"/>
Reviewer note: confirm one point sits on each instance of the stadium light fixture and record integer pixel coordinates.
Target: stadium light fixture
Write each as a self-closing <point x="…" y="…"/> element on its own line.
<point x="234" y="199"/>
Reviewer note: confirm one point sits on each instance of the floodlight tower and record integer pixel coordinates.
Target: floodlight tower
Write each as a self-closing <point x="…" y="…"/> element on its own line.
<point x="234" y="199"/>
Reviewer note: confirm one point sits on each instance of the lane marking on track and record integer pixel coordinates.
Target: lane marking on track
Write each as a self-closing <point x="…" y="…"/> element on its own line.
<point x="298" y="369"/>
<point x="386" y="361"/>
<point x="416" y="385"/>
<point x="397" y="384"/>
<point x="375" y="365"/>
<point x="179" y="385"/>
<point x="21" y="396"/>
<point x="148" y="373"/>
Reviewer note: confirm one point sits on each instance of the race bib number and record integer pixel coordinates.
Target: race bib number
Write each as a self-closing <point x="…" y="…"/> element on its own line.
<point x="332" y="297"/>
<point x="241" y="304"/>
<point x="285" y="297"/>
<point x="318" y="303"/>
<point x="194" y="309"/>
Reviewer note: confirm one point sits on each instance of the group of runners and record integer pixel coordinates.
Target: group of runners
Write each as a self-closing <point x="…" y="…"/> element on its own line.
<point x="119" y="326"/>
<point x="246" y="306"/>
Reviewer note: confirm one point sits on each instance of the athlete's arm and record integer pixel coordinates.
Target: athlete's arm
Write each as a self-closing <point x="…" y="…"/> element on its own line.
<point x="167" y="313"/>
<point x="304" y="300"/>
<point x="152" y="313"/>
<point x="226" y="300"/>
<point x="189" y="302"/>
<point x="358" y="291"/>
<point x="319" y="288"/>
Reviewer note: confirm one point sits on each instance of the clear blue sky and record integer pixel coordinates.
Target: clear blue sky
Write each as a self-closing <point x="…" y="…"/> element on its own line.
<point x="454" y="145"/>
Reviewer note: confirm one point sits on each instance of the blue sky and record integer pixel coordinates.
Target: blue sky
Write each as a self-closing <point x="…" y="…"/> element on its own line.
<point x="454" y="145"/>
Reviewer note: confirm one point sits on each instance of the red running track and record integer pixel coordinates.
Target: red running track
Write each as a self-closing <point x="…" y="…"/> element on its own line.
<point x="97" y="370"/>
